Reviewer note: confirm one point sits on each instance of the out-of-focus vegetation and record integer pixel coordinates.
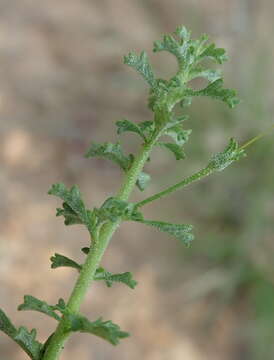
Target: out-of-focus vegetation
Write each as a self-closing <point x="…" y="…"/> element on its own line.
<point x="62" y="85"/>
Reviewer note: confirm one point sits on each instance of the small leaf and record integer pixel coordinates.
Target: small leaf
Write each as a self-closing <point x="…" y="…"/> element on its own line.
<point x="109" y="278"/>
<point x="223" y="159"/>
<point x="6" y="326"/>
<point x="178" y="134"/>
<point x="143" y="180"/>
<point x="181" y="231"/>
<point x="59" y="260"/>
<point x="106" y="330"/>
<point x="215" y="90"/>
<point x="174" y="148"/>
<point x="111" y="152"/>
<point x="85" y="250"/>
<point x="28" y="343"/>
<point x="217" y="54"/>
<point x="142" y="65"/>
<point x="126" y="125"/>
<point x="26" y="340"/>
<point x="114" y="209"/>
<point x="147" y="128"/>
<point x="71" y="217"/>
<point x="74" y="209"/>
<point x="209" y="74"/>
<point x="32" y="303"/>
<point x="183" y="33"/>
<point x="171" y="45"/>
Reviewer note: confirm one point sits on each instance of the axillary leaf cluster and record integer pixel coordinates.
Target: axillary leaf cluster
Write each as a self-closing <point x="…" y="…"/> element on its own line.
<point x="168" y="122"/>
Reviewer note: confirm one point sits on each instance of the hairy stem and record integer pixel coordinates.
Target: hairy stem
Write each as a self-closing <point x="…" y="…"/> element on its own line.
<point x="190" y="179"/>
<point x="94" y="257"/>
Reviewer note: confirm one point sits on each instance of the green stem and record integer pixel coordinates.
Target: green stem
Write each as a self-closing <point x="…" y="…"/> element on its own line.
<point x="94" y="257"/>
<point x="195" y="177"/>
<point x="190" y="179"/>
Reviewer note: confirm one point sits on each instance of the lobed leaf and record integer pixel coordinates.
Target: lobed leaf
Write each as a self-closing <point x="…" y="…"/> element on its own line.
<point x="74" y="209"/>
<point x="109" y="278"/>
<point x="26" y="340"/>
<point x="174" y="148"/>
<point x="59" y="260"/>
<point x="143" y="129"/>
<point x="32" y="303"/>
<point x="106" y="330"/>
<point x="231" y="153"/>
<point x="141" y="64"/>
<point x="111" y="152"/>
<point x="113" y="209"/>
<point x="6" y="325"/>
<point x="126" y="125"/>
<point x="71" y="217"/>
<point x="208" y="74"/>
<point x="215" y="90"/>
<point x="143" y="180"/>
<point x="178" y="134"/>
<point x="181" y="231"/>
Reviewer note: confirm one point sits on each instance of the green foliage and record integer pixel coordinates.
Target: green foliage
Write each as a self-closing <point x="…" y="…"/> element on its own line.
<point x="141" y="64"/>
<point x="126" y="125"/>
<point x="174" y="148"/>
<point x="230" y="154"/>
<point x="114" y="153"/>
<point x="109" y="278"/>
<point x="113" y="209"/>
<point x="143" y="180"/>
<point x="106" y="330"/>
<point x="25" y="339"/>
<point x="144" y="129"/>
<point x="74" y="210"/>
<point x="182" y="232"/>
<point x="32" y="303"/>
<point x="111" y="152"/>
<point x="165" y="94"/>
<point x="101" y="222"/>
<point x="59" y="260"/>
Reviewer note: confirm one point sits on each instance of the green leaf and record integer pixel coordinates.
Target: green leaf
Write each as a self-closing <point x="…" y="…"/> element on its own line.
<point x="59" y="260"/>
<point x="141" y="64"/>
<point x="231" y="153"/>
<point x="183" y="33"/>
<point x="190" y="53"/>
<point x="126" y="125"/>
<point x="32" y="303"/>
<point x="85" y="250"/>
<point x="147" y="128"/>
<point x="113" y="209"/>
<point x="178" y="134"/>
<point x="26" y="340"/>
<point x="181" y="231"/>
<point x="174" y="148"/>
<point x="216" y="54"/>
<point x="71" y="217"/>
<point x="74" y="209"/>
<point x="143" y="180"/>
<point x="208" y="74"/>
<point x="106" y="330"/>
<point x="111" y="152"/>
<point x="6" y="326"/>
<point x="109" y="278"/>
<point x="215" y="90"/>
<point x="169" y="44"/>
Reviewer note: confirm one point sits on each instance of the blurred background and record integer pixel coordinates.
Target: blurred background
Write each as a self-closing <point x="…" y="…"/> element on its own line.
<point x="63" y="84"/>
